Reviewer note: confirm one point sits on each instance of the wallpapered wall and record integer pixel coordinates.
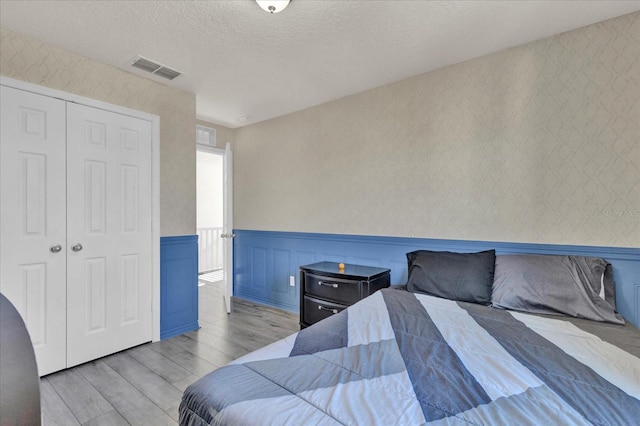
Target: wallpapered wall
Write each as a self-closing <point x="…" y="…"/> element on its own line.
<point x="537" y="143"/>
<point x="27" y="59"/>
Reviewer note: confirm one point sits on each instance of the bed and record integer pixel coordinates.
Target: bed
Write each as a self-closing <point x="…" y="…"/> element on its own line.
<point x="472" y="338"/>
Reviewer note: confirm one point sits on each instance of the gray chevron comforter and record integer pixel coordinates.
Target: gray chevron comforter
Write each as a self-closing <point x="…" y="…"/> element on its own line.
<point x="399" y="358"/>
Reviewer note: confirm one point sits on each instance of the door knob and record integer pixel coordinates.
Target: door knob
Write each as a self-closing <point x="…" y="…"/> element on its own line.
<point x="56" y="248"/>
<point x="76" y="247"/>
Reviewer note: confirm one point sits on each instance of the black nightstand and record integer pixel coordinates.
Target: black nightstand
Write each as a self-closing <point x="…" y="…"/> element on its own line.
<point x="326" y="290"/>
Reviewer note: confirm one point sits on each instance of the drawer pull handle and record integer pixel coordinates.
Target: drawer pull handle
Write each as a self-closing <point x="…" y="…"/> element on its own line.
<point x="334" y="285"/>
<point x="323" y="308"/>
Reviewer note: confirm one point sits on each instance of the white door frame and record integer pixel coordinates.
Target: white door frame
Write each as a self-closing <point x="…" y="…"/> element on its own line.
<point x="155" y="176"/>
<point x="227" y="227"/>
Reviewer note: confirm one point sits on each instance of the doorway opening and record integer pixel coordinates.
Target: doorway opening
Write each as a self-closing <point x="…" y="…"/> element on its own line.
<point x="210" y="213"/>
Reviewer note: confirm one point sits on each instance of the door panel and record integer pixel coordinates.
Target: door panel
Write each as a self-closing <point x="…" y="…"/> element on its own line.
<point x="95" y="197"/>
<point x="32" y="179"/>
<point x="33" y="296"/>
<point x="129" y="288"/>
<point x="109" y="214"/>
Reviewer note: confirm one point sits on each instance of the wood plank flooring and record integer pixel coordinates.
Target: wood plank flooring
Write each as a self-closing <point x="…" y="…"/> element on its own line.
<point x="144" y="385"/>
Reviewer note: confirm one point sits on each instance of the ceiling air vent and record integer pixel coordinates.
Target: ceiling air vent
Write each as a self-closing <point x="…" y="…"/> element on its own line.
<point x="156" y="68"/>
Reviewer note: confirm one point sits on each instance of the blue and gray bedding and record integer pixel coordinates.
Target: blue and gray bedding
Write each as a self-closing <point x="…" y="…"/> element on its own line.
<point x="402" y="358"/>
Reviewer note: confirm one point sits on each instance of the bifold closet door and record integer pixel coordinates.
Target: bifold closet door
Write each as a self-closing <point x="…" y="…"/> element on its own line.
<point x="75" y="226"/>
<point x="109" y="232"/>
<point x="33" y="240"/>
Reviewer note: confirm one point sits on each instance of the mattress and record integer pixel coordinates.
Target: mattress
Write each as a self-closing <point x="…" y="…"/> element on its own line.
<point x="400" y="358"/>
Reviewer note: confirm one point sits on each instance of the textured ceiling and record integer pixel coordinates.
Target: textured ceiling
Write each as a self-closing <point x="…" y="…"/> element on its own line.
<point x="243" y="62"/>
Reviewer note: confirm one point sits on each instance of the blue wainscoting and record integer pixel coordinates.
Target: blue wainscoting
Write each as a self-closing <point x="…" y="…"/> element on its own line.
<point x="264" y="261"/>
<point x="178" y="285"/>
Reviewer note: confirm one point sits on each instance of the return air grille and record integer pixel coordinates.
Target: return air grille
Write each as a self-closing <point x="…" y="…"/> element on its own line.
<point x="155" y="68"/>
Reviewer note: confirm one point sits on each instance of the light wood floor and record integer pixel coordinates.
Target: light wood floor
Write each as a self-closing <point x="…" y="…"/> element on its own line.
<point x="143" y="385"/>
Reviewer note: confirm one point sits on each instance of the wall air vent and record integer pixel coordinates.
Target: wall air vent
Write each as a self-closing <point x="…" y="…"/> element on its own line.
<point x="156" y="68"/>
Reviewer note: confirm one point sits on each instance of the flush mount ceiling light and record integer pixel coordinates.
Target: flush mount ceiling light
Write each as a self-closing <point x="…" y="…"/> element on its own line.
<point x="273" y="6"/>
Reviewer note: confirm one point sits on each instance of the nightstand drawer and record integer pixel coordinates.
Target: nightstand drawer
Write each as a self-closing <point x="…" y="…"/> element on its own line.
<point x="335" y="289"/>
<point x="328" y="287"/>
<point x="316" y="310"/>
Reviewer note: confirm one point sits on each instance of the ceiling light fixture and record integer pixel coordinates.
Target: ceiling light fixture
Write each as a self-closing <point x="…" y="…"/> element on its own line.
<point x="273" y="6"/>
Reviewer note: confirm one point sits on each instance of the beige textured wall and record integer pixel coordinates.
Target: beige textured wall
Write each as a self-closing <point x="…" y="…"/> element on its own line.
<point x="27" y="59"/>
<point x="538" y="143"/>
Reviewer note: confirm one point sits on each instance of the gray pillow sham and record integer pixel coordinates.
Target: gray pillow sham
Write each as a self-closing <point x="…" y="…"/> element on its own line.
<point x="557" y="285"/>
<point x="466" y="277"/>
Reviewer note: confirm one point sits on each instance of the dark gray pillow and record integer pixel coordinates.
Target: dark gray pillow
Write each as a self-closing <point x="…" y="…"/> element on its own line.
<point x="556" y="285"/>
<point x="601" y="277"/>
<point x="466" y="277"/>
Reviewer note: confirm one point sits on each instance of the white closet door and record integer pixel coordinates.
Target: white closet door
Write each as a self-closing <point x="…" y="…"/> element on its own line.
<point x="109" y="232"/>
<point x="33" y="219"/>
